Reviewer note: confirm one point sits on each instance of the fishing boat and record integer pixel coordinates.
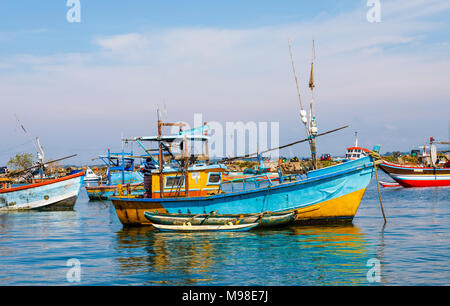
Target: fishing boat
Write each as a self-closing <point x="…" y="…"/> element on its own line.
<point x="266" y="219"/>
<point x="426" y="174"/>
<point x="417" y="176"/>
<point x="57" y="194"/>
<point x="389" y="184"/>
<point x="120" y="171"/>
<point x="91" y="178"/>
<point x="182" y="172"/>
<point x="322" y="195"/>
<point x="187" y="227"/>
<point x="356" y="151"/>
<point x="331" y="194"/>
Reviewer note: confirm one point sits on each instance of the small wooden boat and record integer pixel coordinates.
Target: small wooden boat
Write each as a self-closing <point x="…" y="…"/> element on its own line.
<point x="389" y="184"/>
<point x="267" y="219"/>
<point x="188" y="227"/>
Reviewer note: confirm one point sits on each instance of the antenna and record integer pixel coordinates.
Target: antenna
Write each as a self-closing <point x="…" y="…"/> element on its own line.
<point x="164" y="110"/>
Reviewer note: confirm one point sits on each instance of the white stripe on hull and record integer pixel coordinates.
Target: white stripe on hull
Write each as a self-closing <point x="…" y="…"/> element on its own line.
<point x="421" y="177"/>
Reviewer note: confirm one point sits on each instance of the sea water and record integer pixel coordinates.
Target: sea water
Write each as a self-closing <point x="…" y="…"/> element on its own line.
<point x="89" y="246"/>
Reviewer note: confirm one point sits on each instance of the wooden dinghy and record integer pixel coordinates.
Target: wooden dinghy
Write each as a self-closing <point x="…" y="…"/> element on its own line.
<point x="389" y="184"/>
<point x="188" y="227"/>
<point x="267" y="219"/>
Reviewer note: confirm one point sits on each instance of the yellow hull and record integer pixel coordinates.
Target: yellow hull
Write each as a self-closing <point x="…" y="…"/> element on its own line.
<point x="343" y="208"/>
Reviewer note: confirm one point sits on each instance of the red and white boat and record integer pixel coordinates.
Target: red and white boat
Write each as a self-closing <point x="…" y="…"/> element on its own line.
<point x="432" y="175"/>
<point x="389" y="184"/>
<point x="416" y="176"/>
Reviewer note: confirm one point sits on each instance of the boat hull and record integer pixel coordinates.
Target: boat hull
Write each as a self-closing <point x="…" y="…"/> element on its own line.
<point x="389" y="184"/>
<point x="409" y="176"/>
<point x="205" y="228"/>
<point x="328" y="194"/>
<point x="264" y="220"/>
<point x="57" y="194"/>
<point x="97" y="193"/>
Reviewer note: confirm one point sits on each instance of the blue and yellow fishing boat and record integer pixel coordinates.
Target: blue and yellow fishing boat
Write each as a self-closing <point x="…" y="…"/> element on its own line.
<point x="328" y="194"/>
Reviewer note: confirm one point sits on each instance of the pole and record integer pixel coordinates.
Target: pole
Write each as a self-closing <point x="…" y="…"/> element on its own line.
<point x="379" y="193"/>
<point x="186" y="167"/>
<point x="161" y="163"/>
<point x="206" y="143"/>
<point x="312" y="122"/>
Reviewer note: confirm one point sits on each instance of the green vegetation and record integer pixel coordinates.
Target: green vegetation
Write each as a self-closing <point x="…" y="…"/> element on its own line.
<point x="21" y="161"/>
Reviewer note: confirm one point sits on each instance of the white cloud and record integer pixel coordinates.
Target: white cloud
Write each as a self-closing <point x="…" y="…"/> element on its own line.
<point x="368" y="75"/>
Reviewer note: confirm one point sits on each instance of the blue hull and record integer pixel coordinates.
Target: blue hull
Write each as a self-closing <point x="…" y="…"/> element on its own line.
<point x="336" y="190"/>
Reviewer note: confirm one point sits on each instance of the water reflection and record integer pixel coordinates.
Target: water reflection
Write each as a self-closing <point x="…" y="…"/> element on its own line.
<point x="332" y="254"/>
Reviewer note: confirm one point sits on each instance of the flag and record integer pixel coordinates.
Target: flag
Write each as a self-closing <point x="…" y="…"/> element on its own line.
<point x="311" y="78"/>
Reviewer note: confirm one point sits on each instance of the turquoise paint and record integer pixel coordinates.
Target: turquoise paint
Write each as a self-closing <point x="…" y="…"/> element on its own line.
<point x="320" y="185"/>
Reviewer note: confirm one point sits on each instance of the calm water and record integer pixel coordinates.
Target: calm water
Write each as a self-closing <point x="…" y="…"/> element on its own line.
<point x="413" y="248"/>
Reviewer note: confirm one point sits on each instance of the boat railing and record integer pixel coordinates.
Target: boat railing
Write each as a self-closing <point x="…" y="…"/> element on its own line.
<point x="290" y="178"/>
<point x="256" y="180"/>
<point x="129" y="188"/>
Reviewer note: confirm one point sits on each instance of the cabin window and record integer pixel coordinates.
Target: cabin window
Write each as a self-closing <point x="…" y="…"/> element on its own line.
<point x="214" y="178"/>
<point x="174" y="182"/>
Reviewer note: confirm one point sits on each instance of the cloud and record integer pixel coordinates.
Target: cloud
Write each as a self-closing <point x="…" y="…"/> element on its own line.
<point x="387" y="74"/>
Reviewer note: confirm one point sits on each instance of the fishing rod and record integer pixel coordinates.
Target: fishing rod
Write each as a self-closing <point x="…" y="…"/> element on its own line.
<point x="285" y="146"/>
<point x="302" y="111"/>
<point x="39" y="165"/>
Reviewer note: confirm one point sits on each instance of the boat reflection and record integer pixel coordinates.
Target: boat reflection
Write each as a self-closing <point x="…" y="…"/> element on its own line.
<point x="311" y="255"/>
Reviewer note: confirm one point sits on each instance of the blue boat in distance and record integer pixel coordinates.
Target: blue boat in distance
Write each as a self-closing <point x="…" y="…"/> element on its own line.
<point x="328" y="194"/>
<point x="120" y="171"/>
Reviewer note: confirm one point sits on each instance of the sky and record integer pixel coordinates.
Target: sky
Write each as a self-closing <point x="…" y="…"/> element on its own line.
<point x="80" y="86"/>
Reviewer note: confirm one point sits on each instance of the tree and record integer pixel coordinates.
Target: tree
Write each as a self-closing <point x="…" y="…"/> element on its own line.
<point x="21" y="161"/>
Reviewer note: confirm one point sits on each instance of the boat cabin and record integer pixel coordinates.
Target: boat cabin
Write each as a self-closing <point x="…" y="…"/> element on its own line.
<point x="186" y="169"/>
<point x="356" y="152"/>
<point x="5" y="183"/>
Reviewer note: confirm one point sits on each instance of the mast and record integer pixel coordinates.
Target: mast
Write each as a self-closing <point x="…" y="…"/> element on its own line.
<point x="206" y="142"/>
<point x="41" y="157"/>
<point x="186" y="167"/>
<point x="161" y="181"/>
<point x="312" y="118"/>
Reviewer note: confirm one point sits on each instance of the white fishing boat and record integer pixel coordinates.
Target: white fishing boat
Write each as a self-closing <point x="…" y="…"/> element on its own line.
<point x="91" y="178"/>
<point x="356" y="151"/>
<point x="57" y="194"/>
<point x="188" y="227"/>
